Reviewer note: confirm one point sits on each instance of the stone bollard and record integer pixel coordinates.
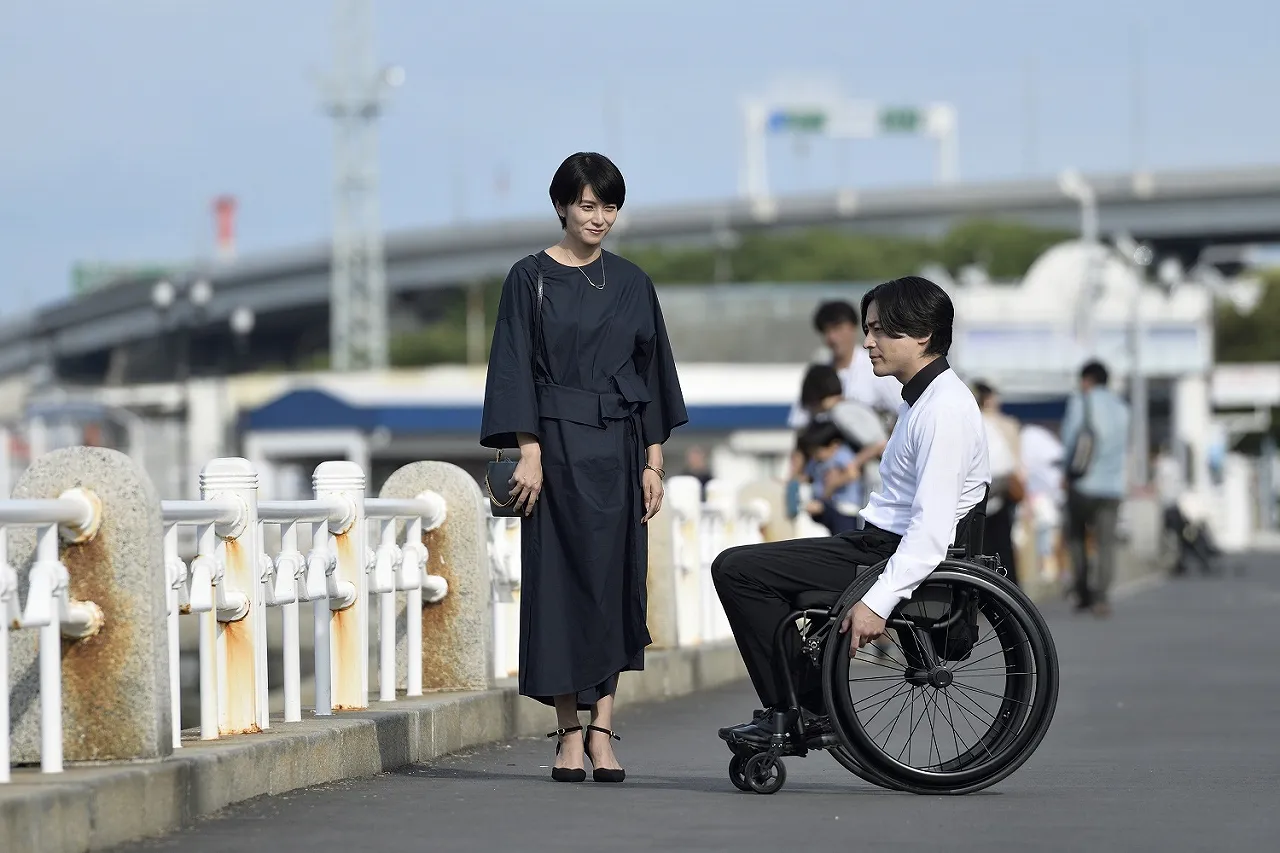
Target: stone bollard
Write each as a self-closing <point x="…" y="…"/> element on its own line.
<point x="115" y="683"/>
<point x="457" y="633"/>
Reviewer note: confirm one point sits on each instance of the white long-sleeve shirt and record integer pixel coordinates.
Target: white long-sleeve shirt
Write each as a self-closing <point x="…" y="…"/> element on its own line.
<point x="934" y="470"/>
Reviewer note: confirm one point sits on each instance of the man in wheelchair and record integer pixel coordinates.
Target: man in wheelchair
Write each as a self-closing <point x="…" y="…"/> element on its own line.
<point x="934" y="472"/>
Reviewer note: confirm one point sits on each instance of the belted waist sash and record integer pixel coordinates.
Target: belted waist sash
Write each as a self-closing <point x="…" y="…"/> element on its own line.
<point x="564" y="403"/>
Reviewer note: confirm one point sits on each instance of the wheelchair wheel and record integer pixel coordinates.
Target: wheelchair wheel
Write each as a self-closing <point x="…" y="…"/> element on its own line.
<point x="765" y="774"/>
<point x="963" y="692"/>
<point x="737" y="773"/>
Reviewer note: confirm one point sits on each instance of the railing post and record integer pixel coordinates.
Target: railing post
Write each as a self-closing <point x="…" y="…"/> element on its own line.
<point x="240" y="602"/>
<point x="457" y="632"/>
<point x="349" y="613"/>
<point x="115" y="667"/>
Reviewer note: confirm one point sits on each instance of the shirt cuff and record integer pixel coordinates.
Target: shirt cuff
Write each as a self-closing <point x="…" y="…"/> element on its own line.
<point x="881" y="598"/>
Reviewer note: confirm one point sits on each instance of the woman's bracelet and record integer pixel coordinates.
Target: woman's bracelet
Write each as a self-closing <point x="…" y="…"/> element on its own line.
<point x="655" y="469"/>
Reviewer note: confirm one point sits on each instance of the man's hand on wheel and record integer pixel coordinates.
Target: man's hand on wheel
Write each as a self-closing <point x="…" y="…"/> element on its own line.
<point x="863" y="626"/>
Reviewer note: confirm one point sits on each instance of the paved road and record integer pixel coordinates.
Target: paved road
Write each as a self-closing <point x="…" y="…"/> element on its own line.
<point x="1167" y="737"/>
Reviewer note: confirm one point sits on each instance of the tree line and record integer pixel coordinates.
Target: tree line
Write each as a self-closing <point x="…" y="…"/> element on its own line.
<point x="1006" y="250"/>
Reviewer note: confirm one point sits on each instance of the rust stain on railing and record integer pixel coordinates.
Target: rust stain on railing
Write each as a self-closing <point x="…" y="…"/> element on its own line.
<point x="350" y="645"/>
<point x="439" y="621"/>
<point x="98" y="721"/>
<point x="237" y="639"/>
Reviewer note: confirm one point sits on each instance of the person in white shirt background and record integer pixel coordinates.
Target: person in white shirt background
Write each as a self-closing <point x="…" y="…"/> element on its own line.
<point x="838" y="324"/>
<point x="934" y="471"/>
<point x="1008" y="479"/>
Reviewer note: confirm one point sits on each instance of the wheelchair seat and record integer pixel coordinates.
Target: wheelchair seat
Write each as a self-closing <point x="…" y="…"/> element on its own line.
<point x="819" y="599"/>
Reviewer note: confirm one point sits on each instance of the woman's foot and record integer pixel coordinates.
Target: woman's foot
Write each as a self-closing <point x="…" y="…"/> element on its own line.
<point x="569" y="755"/>
<point x="604" y="763"/>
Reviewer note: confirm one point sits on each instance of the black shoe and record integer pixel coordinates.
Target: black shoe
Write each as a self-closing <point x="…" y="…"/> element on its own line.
<point x="818" y="732"/>
<point x="568" y="774"/>
<point x="728" y="732"/>
<point x="760" y="731"/>
<point x="601" y="774"/>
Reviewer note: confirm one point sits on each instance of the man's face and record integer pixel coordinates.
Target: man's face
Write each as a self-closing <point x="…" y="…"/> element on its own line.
<point x="890" y="356"/>
<point x="826" y="454"/>
<point x="840" y="338"/>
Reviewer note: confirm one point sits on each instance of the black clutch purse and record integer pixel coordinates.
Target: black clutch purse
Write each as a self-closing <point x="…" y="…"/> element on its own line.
<point x="497" y="480"/>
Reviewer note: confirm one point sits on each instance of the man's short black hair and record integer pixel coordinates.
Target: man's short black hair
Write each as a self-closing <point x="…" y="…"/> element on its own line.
<point x="983" y="392"/>
<point x="833" y="314"/>
<point x="1096" y="372"/>
<point x="587" y="169"/>
<point x="913" y="307"/>
<point x="817" y="435"/>
<point x="820" y="382"/>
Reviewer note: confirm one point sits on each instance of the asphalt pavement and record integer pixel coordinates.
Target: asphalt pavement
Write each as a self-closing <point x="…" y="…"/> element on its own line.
<point x="1166" y="737"/>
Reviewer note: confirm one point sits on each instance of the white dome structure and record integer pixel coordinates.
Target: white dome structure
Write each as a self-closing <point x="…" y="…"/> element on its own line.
<point x="1038" y="332"/>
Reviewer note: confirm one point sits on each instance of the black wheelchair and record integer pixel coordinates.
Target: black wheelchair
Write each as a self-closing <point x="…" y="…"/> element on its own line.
<point x="975" y="709"/>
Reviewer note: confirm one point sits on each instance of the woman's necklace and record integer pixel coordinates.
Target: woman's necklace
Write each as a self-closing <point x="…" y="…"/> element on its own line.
<point x="603" y="278"/>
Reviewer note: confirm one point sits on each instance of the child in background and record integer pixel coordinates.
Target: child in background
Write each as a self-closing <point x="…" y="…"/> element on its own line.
<point x="833" y="470"/>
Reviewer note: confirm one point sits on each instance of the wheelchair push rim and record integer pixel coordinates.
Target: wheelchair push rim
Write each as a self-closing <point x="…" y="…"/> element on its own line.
<point x="974" y="720"/>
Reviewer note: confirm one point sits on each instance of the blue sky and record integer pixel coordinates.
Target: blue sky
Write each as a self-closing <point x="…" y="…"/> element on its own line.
<point x="123" y="118"/>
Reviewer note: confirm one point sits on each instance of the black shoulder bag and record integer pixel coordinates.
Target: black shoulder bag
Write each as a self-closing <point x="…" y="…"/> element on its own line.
<point x="1082" y="452"/>
<point x="499" y="471"/>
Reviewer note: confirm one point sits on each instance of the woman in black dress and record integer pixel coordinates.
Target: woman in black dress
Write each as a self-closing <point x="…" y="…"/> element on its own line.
<point x="589" y="399"/>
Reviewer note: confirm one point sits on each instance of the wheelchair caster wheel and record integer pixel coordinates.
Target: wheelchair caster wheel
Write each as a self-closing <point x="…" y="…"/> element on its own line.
<point x="765" y="773"/>
<point x="737" y="772"/>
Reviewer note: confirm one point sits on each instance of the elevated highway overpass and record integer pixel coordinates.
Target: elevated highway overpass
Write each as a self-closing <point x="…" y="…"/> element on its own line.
<point x="112" y="334"/>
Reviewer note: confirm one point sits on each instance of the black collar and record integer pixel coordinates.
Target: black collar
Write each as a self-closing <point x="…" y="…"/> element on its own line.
<point x="931" y="371"/>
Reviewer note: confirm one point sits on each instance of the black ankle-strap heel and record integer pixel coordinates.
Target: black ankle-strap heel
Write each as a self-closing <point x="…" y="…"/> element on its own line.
<point x="600" y="774"/>
<point x="567" y="774"/>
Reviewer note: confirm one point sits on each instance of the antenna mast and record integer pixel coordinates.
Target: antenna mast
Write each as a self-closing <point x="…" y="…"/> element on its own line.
<point x="355" y="94"/>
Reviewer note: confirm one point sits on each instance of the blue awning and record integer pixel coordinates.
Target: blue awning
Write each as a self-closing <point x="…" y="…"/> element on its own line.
<point x="314" y="409"/>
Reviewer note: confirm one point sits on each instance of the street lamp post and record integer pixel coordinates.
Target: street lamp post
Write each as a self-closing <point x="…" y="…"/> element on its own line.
<point x="1139" y="258"/>
<point x="165" y="297"/>
<point x="1074" y="186"/>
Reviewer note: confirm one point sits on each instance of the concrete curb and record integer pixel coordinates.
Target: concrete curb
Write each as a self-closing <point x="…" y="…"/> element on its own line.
<point x="91" y="808"/>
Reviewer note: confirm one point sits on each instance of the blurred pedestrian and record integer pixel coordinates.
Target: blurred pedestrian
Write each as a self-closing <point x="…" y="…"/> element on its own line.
<point x="840" y="327"/>
<point x="582" y="378"/>
<point x="1008" y="479"/>
<point x="1095" y="433"/>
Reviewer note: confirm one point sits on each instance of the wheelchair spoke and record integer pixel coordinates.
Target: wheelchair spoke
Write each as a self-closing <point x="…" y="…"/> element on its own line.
<point x="989" y="693"/>
<point x="894" y="688"/>
<point x="981" y="741"/>
<point x="951" y="721"/>
<point x="878" y="663"/>
<point x="892" y="724"/>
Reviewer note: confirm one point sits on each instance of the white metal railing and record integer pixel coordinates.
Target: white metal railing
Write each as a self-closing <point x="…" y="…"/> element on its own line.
<point x="232" y="582"/>
<point x="337" y="550"/>
<point x="75" y="516"/>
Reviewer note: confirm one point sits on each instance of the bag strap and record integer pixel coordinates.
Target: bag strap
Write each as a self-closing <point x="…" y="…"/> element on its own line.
<point x="537" y="319"/>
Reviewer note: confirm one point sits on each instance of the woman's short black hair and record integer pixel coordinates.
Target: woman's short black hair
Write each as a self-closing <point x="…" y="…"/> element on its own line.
<point x="913" y="307"/>
<point x="587" y="169"/>
<point x="820" y="382"/>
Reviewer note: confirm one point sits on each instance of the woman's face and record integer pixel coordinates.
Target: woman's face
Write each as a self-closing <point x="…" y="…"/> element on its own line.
<point x="587" y="219"/>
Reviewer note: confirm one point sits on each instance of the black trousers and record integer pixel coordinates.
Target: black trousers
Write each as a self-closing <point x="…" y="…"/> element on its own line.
<point x="758" y="585"/>
<point x="1087" y="514"/>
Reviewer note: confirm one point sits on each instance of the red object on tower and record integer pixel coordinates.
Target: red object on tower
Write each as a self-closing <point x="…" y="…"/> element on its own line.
<point x="224" y="212"/>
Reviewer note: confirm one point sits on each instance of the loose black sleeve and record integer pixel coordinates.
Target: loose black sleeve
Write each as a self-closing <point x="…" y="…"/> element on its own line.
<point x="510" y="403"/>
<point x="656" y="365"/>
